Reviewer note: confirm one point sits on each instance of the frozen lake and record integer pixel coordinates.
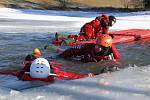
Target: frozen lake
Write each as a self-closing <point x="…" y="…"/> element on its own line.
<point x="23" y="30"/>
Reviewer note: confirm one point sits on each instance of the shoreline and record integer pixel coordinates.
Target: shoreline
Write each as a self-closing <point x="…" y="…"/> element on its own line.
<point x="92" y="9"/>
<point x="96" y="9"/>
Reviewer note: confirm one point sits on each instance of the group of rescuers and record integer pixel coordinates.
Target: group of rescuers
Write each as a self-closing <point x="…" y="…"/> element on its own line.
<point x="103" y="49"/>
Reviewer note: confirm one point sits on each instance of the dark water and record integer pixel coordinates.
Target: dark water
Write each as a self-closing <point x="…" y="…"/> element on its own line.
<point x="137" y="52"/>
<point x="15" y="46"/>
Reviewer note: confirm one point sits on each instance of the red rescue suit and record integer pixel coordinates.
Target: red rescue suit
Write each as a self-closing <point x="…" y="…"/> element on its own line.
<point x="99" y="25"/>
<point x="88" y="53"/>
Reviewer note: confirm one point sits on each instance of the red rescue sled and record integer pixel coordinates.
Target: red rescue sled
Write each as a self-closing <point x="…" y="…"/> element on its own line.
<point x="130" y="35"/>
<point x="59" y="74"/>
<point x="121" y="36"/>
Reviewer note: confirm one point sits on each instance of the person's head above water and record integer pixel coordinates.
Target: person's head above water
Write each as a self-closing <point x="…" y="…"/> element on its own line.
<point x="36" y="52"/>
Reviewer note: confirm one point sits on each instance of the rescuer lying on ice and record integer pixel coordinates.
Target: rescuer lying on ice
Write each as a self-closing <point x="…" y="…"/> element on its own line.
<point x="103" y="49"/>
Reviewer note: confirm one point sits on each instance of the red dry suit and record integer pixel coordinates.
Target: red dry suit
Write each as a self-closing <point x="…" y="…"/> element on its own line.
<point x="99" y="25"/>
<point x="88" y="53"/>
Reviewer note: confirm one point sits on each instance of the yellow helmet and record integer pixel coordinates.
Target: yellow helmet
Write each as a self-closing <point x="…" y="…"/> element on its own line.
<point x="36" y="52"/>
<point x="104" y="40"/>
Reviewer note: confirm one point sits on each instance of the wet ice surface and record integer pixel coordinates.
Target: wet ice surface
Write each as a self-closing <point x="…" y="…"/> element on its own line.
<point x="19" y="36"/>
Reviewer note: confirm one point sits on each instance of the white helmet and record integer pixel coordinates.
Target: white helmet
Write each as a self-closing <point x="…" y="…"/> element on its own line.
<point x="40" y="68"/>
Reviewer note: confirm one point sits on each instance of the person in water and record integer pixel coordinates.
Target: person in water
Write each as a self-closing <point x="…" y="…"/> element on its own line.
<point x="28" y="60"/>
<point x="103" y="49"/>
<point x="100" y="25"/>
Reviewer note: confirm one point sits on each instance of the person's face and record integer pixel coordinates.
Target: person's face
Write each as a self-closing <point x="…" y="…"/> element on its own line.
<point x="37" y="55"/>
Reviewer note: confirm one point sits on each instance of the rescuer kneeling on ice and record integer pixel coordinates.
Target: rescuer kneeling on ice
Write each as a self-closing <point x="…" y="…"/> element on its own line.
<point x="100" y="25"/>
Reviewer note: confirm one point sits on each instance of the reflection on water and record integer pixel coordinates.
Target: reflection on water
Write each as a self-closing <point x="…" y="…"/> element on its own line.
<point x="15" y="46"/>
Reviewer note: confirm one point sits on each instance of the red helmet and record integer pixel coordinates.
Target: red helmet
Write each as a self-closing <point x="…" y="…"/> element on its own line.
<point x="104" y="40"/>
